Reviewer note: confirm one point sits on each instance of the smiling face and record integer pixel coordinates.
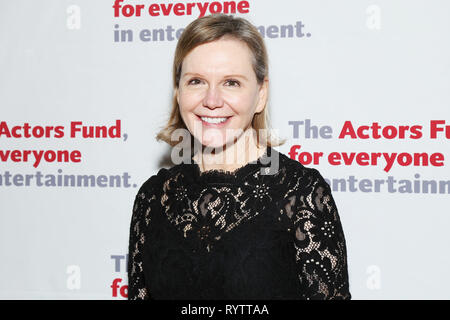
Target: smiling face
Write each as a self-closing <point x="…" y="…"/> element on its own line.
<point x="217" y="83"/>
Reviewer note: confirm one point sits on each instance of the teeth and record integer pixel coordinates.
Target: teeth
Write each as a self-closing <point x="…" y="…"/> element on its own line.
<point x="213" y="120"/>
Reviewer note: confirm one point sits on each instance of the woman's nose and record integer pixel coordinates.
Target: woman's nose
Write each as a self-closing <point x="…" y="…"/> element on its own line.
<point x="213" y="98"/>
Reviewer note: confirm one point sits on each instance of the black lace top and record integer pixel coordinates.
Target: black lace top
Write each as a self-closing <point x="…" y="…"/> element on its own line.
<point x="237" y="235"/>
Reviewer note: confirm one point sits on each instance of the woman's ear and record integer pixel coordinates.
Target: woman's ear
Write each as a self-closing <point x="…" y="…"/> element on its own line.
<point x="262" y="95"/>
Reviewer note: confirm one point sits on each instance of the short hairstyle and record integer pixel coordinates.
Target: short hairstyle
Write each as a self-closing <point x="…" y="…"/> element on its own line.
<point x="207" y="29"/>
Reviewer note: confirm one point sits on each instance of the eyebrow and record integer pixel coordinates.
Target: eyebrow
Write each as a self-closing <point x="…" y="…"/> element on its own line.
<point x="227" y="76"/>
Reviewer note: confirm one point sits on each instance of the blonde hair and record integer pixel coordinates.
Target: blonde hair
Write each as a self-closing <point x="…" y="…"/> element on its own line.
<point x="211" y="28"/>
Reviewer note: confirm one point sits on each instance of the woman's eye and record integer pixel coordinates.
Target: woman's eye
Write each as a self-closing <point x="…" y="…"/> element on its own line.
<point x="190" y="81"/>
<point x="234" y="83"/>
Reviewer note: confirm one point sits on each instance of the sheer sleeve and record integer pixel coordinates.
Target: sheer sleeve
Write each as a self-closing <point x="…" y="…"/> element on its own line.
<point x="321" y="254"/>
<point x="144" y="205"/>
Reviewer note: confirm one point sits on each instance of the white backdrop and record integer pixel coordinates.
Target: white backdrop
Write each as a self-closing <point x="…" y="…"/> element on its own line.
<point x="70" y="63"/>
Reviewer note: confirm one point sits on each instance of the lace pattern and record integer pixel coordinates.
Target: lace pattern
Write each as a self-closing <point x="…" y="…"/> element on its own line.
<point x="203" y="208"/>
<point x="145" y="204"/>
<point x="319" y="241"/>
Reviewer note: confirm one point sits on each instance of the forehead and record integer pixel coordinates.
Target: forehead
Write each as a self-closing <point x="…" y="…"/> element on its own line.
<point x="224" y="55"/>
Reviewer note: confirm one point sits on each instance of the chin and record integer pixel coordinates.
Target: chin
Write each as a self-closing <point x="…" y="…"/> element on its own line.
<point x="213" y="144"/>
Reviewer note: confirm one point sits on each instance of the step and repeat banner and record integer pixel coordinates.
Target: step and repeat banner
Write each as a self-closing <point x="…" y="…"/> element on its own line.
<point x="360" y="90"/>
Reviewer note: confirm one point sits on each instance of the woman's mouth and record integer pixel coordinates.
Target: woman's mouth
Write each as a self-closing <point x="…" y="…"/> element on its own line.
<point x="215" y="122"/>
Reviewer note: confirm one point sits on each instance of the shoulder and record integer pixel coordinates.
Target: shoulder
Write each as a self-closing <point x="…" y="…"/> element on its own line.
<point x="300" y="176"/>
<point x="154" y="183"/>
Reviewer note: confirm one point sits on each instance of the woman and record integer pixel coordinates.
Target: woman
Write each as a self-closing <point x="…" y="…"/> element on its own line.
<point x="213" y="229"/>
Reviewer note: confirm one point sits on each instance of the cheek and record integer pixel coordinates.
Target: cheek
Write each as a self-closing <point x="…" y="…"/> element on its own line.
<point x="186" y="102"/>
<point x="242" y="104"/>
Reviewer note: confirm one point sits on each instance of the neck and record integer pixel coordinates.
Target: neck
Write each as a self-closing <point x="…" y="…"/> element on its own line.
<point x="231" y="157"/>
